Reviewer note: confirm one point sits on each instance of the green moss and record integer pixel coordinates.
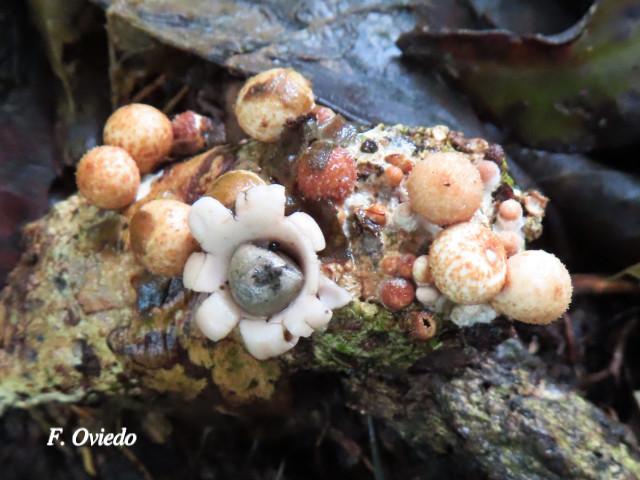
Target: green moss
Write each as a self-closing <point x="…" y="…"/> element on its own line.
<point x="363" y="334"/>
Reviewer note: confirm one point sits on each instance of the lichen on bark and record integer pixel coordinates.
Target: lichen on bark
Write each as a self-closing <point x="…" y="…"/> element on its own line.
<point x="80" y="317"/>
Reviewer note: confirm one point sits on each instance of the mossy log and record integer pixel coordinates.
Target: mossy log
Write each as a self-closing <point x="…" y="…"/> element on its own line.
<point x="81" y="318"/>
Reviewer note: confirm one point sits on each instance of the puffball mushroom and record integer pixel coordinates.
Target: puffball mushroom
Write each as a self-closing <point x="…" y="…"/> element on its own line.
<point x="537" y="289"/>
<point x="108" y="177"/>
<point x="160" y="236"/>
<point x="231" y="272"/>
<point x="143" y="131"/>
<point x="226" y="187"/>
<point x="325" y="171"/>
<point x="445" y="188"/>
<point x="468" y="263"/>
<point x="271" y="99"/>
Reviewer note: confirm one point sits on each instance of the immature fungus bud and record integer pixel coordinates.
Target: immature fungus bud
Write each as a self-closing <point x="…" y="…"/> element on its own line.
<point x="490" y="174"/>
<point x="226" y="187"/>
<point x="393" y="175"/>
<point x="108" y="177"/>
<point x="537" y="290"/>
<point x="193" y="133"/>
<point x="271" y="99"/>
<point x="143" y="131"/>
<point x="427" y="295"/>
<point x="399" y="160"/>
<point x="420" y="271"/>
<point x="513" y="242"/>
<point x="510" y="210"/>
<point x="326" y="172"/>
<point x="445" y="188"/>
<point x="423" y="325"/>
<point x="468" y="263"/>
<point x="399" y="265"/>
<point x="397" y="293"/>
<point x="160" y="236"/>
<point x="322" y="114"/>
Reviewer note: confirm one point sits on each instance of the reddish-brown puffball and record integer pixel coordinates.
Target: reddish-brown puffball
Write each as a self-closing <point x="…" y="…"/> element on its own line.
<point x="537" y="290"/>
<point x="445" y="188"/>
<point x="160" y="236"/>
<point x="322" y="114"/>
<point x="423" y="325"/>
<point x="193" y="133"/>
<point x="108" y="177"/>
<point x="398" y="265"/>
<point x="326" y="172"/>
<point x="271" y="99"/>
<point x="397" y="293"/>
<point x="143" y="131"/>
<point x="393" y="176"/>
<point x="399" y="160"/>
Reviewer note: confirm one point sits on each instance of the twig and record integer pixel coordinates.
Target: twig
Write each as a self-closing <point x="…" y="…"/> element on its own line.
<point x="593" y="284"/>
<point x="150" y="88"/>
<point x="571" y="344"/>
<point x="378" y="472"/>
<point x="170" y="105"/>
<point x="613" y="369"/>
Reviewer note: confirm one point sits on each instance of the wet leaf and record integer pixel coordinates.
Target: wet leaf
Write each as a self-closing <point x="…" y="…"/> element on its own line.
<point x="574" y="91"/>
<point x="27" y="160"/>
<point x="599" y="208"/>
<point x="346" y="47"/>
<point x="525" y="16"/>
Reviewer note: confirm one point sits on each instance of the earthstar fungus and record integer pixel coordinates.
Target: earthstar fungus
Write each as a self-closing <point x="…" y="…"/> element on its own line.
<point x="259" y="220"/>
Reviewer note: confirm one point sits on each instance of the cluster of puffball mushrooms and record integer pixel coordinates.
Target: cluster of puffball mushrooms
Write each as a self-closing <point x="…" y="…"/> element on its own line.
<point x="260" y="267"/>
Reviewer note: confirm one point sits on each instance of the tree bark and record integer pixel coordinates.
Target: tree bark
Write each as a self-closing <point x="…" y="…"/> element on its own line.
<point x="79" y="318"/>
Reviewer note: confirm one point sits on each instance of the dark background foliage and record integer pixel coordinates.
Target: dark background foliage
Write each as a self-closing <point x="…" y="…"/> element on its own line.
<point x="554" y="81"/>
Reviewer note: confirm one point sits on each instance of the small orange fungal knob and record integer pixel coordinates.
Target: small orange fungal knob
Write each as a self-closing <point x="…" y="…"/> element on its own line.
<point x="143" y="131"/>
<point x="108" y="177"/>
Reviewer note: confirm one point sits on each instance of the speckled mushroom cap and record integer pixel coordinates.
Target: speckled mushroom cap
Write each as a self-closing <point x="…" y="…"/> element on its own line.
<point x="269" y="100"/>
<point x="108" y="177"/>
<point x="445" y="188"/>
<point x="537" y="290"/>
<point x="160" y="236"/>
<point x="143" y="131"/>
<point x="259" y="217"/>
<point x="468" y="263"/>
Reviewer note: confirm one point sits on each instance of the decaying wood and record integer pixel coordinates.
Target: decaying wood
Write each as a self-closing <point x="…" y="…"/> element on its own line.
<point x="80" y="317"/>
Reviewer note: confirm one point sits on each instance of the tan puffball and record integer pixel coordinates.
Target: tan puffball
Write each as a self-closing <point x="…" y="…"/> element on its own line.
<point x="269" y="100"/>
<point x="143" y="131"/>
<point x="538" y="288"/>
<point x="108" y="177"/>
<point x="160" y="236"/>
<point x="226" y="187"/>
<point x="468" y="263"/>
<point x="445" y="188"/>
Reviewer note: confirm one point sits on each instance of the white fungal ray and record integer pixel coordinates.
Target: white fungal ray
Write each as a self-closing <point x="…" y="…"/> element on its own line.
<point x="259" y="217"/>
<point x="331" y="295"/>
<point x="203" y="273"/>
<point x="217" y="315"/>
<point x="305" y="223"/>
<point x="265" y="340"/>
